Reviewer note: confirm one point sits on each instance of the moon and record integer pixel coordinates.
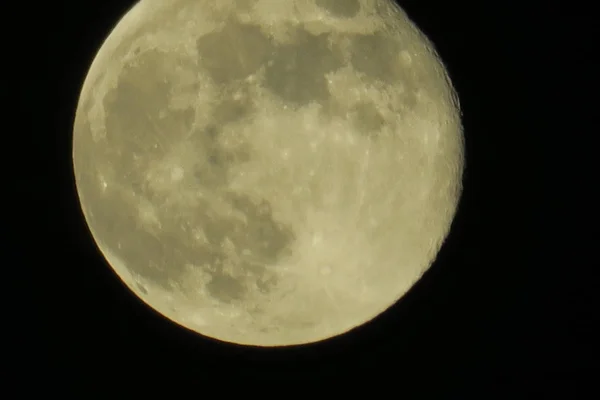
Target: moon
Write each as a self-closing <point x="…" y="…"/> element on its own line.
<point x="268" y="173"/>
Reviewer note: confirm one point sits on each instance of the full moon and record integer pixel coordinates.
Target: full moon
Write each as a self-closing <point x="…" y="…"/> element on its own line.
<point x="268" y="173"/>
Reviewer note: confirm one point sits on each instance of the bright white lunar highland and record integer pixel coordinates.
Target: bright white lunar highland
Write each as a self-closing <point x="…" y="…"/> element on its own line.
<point x="268" y="172"/>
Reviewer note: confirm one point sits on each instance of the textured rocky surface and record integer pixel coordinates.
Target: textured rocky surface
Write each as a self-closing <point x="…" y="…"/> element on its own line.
<point x="288" y="171"/>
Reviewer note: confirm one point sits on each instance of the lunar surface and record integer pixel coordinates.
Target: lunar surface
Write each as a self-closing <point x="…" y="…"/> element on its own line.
<point x="267" y="172"/>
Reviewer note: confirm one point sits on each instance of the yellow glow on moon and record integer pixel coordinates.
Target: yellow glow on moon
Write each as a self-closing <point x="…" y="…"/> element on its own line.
<point x="268" y="172"/>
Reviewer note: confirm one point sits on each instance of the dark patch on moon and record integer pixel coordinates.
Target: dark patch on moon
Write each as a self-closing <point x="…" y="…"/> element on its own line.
<point x="265" y="284"/>
<point x="155" y="256"/>
<point x="225" y="288"/>
<point x="211" y="175"/>
<point x="233" y="53"/>
<point x="219" y="158"/>
<point x="214" y="160"/>
<point x="161" y="256"/>
<point x="212" y="132"/>
<point x="373" y="55"/>
<point x="160" y="252"/>
<point x="134" y="123"/>
<point x="296" y="72"/>
<point x="266" y="239"/>
<point x="245" y="5"/>
<point x="258" y="241"/>
<point x="340" y="8"/>
<point x="367" y="119"/>
<point x="234" y="105"/>
<point x="141" y="288"/>
<point x="212" y="168"/>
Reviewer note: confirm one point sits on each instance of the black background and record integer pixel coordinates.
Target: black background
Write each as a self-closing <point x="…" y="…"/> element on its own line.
<point x="503" y="307"/>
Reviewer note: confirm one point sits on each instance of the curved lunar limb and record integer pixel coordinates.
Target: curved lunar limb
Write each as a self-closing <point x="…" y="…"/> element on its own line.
<point x="268" y="173"/>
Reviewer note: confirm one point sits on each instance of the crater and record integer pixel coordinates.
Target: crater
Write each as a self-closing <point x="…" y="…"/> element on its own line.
<point x="340" y="8"/>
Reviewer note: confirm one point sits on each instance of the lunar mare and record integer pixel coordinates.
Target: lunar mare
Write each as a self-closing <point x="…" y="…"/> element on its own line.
<point x="268" y="172"/>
